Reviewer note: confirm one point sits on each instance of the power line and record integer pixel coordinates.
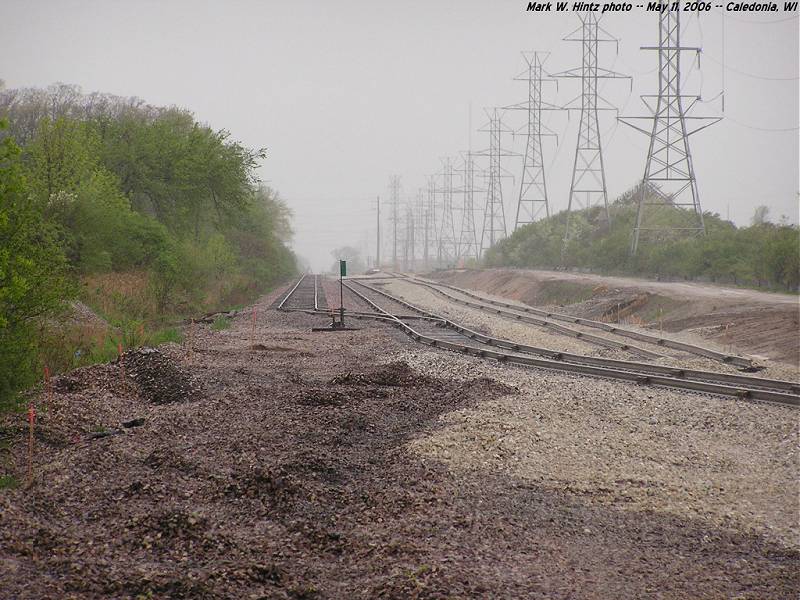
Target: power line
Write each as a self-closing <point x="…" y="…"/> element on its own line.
<point x="752" y="22"/>
<point x="766" y="129"/>
<point x="745" y="73"/>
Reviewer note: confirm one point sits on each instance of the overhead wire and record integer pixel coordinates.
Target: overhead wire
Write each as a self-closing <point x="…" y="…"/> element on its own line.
<point x="726" y="67"/>
<point x="746" y="74"/>
<point x="756" y="22"/>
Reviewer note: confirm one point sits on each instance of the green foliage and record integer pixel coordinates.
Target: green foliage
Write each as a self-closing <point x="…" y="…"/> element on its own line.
<point x="221" y="323"/>
<point x="8" y="482"/>
<point x="355" y="264"/>
<point x="763" y="255"/>
<point x="33" y="282"/>
<point x="167" y="210"/>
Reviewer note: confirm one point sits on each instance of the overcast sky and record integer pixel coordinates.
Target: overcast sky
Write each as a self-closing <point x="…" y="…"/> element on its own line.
<point x="345" y="93"/>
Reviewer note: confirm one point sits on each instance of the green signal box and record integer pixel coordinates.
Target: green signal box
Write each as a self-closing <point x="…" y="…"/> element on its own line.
<point x="343" y="268"/>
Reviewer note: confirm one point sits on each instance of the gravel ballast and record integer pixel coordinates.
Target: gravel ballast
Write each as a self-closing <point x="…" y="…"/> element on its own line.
<point x="526" y="333"/>
<point x="282" y="463"/>
<point x="730" y="463"/>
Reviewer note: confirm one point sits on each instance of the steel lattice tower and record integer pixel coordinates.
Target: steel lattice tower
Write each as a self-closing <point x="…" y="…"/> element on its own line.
<point x="430" y="236"/>
<point x="669" y="182"/>
<point x="394" y="187"/>
<point x="588" y="187"/>
<point x="419" y="225"/>
<point x="468" y="238"/>
<point x="410" y="242"/>
<point x="494" y="214"/>
<point x="448" y="243"/>
<point x="532" y="197"/>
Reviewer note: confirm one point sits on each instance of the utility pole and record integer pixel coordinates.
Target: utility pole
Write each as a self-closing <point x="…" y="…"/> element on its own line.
<point x="410" y="237"/>
<point x="494" y="214"/>
<point x="669" y="184"/>
<point x="431" y="236"/>
<point x="419" y="222"/>
<point x="532" y="199"/>
<point x="394" y="186"/>
<point x="378" y="242"/>
<point x="588" y="187"/>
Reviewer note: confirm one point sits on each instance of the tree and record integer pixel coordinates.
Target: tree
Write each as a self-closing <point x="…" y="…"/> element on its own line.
<point x="355" y="264"/>
<point x="760" y="215"/>
<point x="33" y="275"/>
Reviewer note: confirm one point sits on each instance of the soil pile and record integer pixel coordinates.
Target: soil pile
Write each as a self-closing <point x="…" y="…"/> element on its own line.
<point x="158" y="378"/>
<point x="395" y="374"/>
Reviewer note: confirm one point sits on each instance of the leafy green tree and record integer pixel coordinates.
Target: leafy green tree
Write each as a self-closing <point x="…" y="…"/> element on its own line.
<point x="33" y="275"/>
<point x="764" y="254"/>
<point x="355" y="264"/>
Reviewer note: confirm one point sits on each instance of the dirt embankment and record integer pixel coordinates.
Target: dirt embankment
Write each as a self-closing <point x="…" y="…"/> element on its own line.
<point x="755" y="323"/>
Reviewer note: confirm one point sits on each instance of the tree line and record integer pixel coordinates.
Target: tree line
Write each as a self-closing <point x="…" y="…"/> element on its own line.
<point x="141" y="212"/>
<point x="763" y="254"/>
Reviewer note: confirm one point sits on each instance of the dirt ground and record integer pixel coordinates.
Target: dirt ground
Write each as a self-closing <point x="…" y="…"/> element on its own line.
<point x="759" y="324"/>
<point x="288" y="465"/>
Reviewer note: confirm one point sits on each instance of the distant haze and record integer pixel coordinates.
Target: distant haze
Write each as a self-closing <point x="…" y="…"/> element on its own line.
<point x="346" y="93"/>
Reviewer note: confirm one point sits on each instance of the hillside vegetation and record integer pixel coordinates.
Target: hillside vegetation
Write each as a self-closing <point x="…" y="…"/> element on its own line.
<point x="764" y="255"/>
<point x="140" y="212"/>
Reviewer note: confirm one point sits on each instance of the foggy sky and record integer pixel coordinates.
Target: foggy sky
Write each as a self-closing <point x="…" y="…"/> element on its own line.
<point x="345" y="93"/>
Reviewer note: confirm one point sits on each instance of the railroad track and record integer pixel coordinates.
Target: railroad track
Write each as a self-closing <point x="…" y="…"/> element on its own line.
<point x="461" y="339"/>
<point x="523" y="313"/>
<point x="597" y="340"/>
<point x="439" y="332"/>
<point x="307" y="294"/>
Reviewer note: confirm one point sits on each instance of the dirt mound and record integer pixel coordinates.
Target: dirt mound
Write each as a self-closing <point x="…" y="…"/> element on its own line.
<point x="394" y="374"/>
<point x="742" y="321"/>
<point x="159" y="379"/>
<point x="318" y="396"/>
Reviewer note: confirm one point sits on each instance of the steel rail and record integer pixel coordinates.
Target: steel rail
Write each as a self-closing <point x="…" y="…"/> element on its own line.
<point x="595" y="339"/>
<point x="296" y="285"/>
<point x="738" y="386"/>
<point x="641" y="368"/>
<point x="316" y="310"/>
<point x="733" y="359"/>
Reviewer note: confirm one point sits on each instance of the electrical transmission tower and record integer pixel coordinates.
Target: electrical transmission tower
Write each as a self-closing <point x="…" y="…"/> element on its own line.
<point x="394" y="200"/>
<point x="430" y="232"/>
<point x="669" y="184"/>
<point x="419" y="226"/>
<point x="409" y="263"/>
<point x="532" y="198"/>
<point x="494" y="214"/>
<point x="468" y="238"/>
<point x="448" y="243"/>
<point x="588" y="187"/>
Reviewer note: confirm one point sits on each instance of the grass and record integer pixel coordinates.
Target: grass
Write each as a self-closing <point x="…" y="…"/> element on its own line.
<point x="64" y="347"/>
<point x="221" y="323"/>
<point x="658" y="306"/>
<point x="8" y="482"/>
<point x="563" y="292"/>
<point x="128" y="317"/>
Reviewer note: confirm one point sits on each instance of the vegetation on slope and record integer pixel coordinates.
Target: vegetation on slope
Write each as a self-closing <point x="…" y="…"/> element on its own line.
<point x="141" y="212"/>
<point x="765" y="254"/>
